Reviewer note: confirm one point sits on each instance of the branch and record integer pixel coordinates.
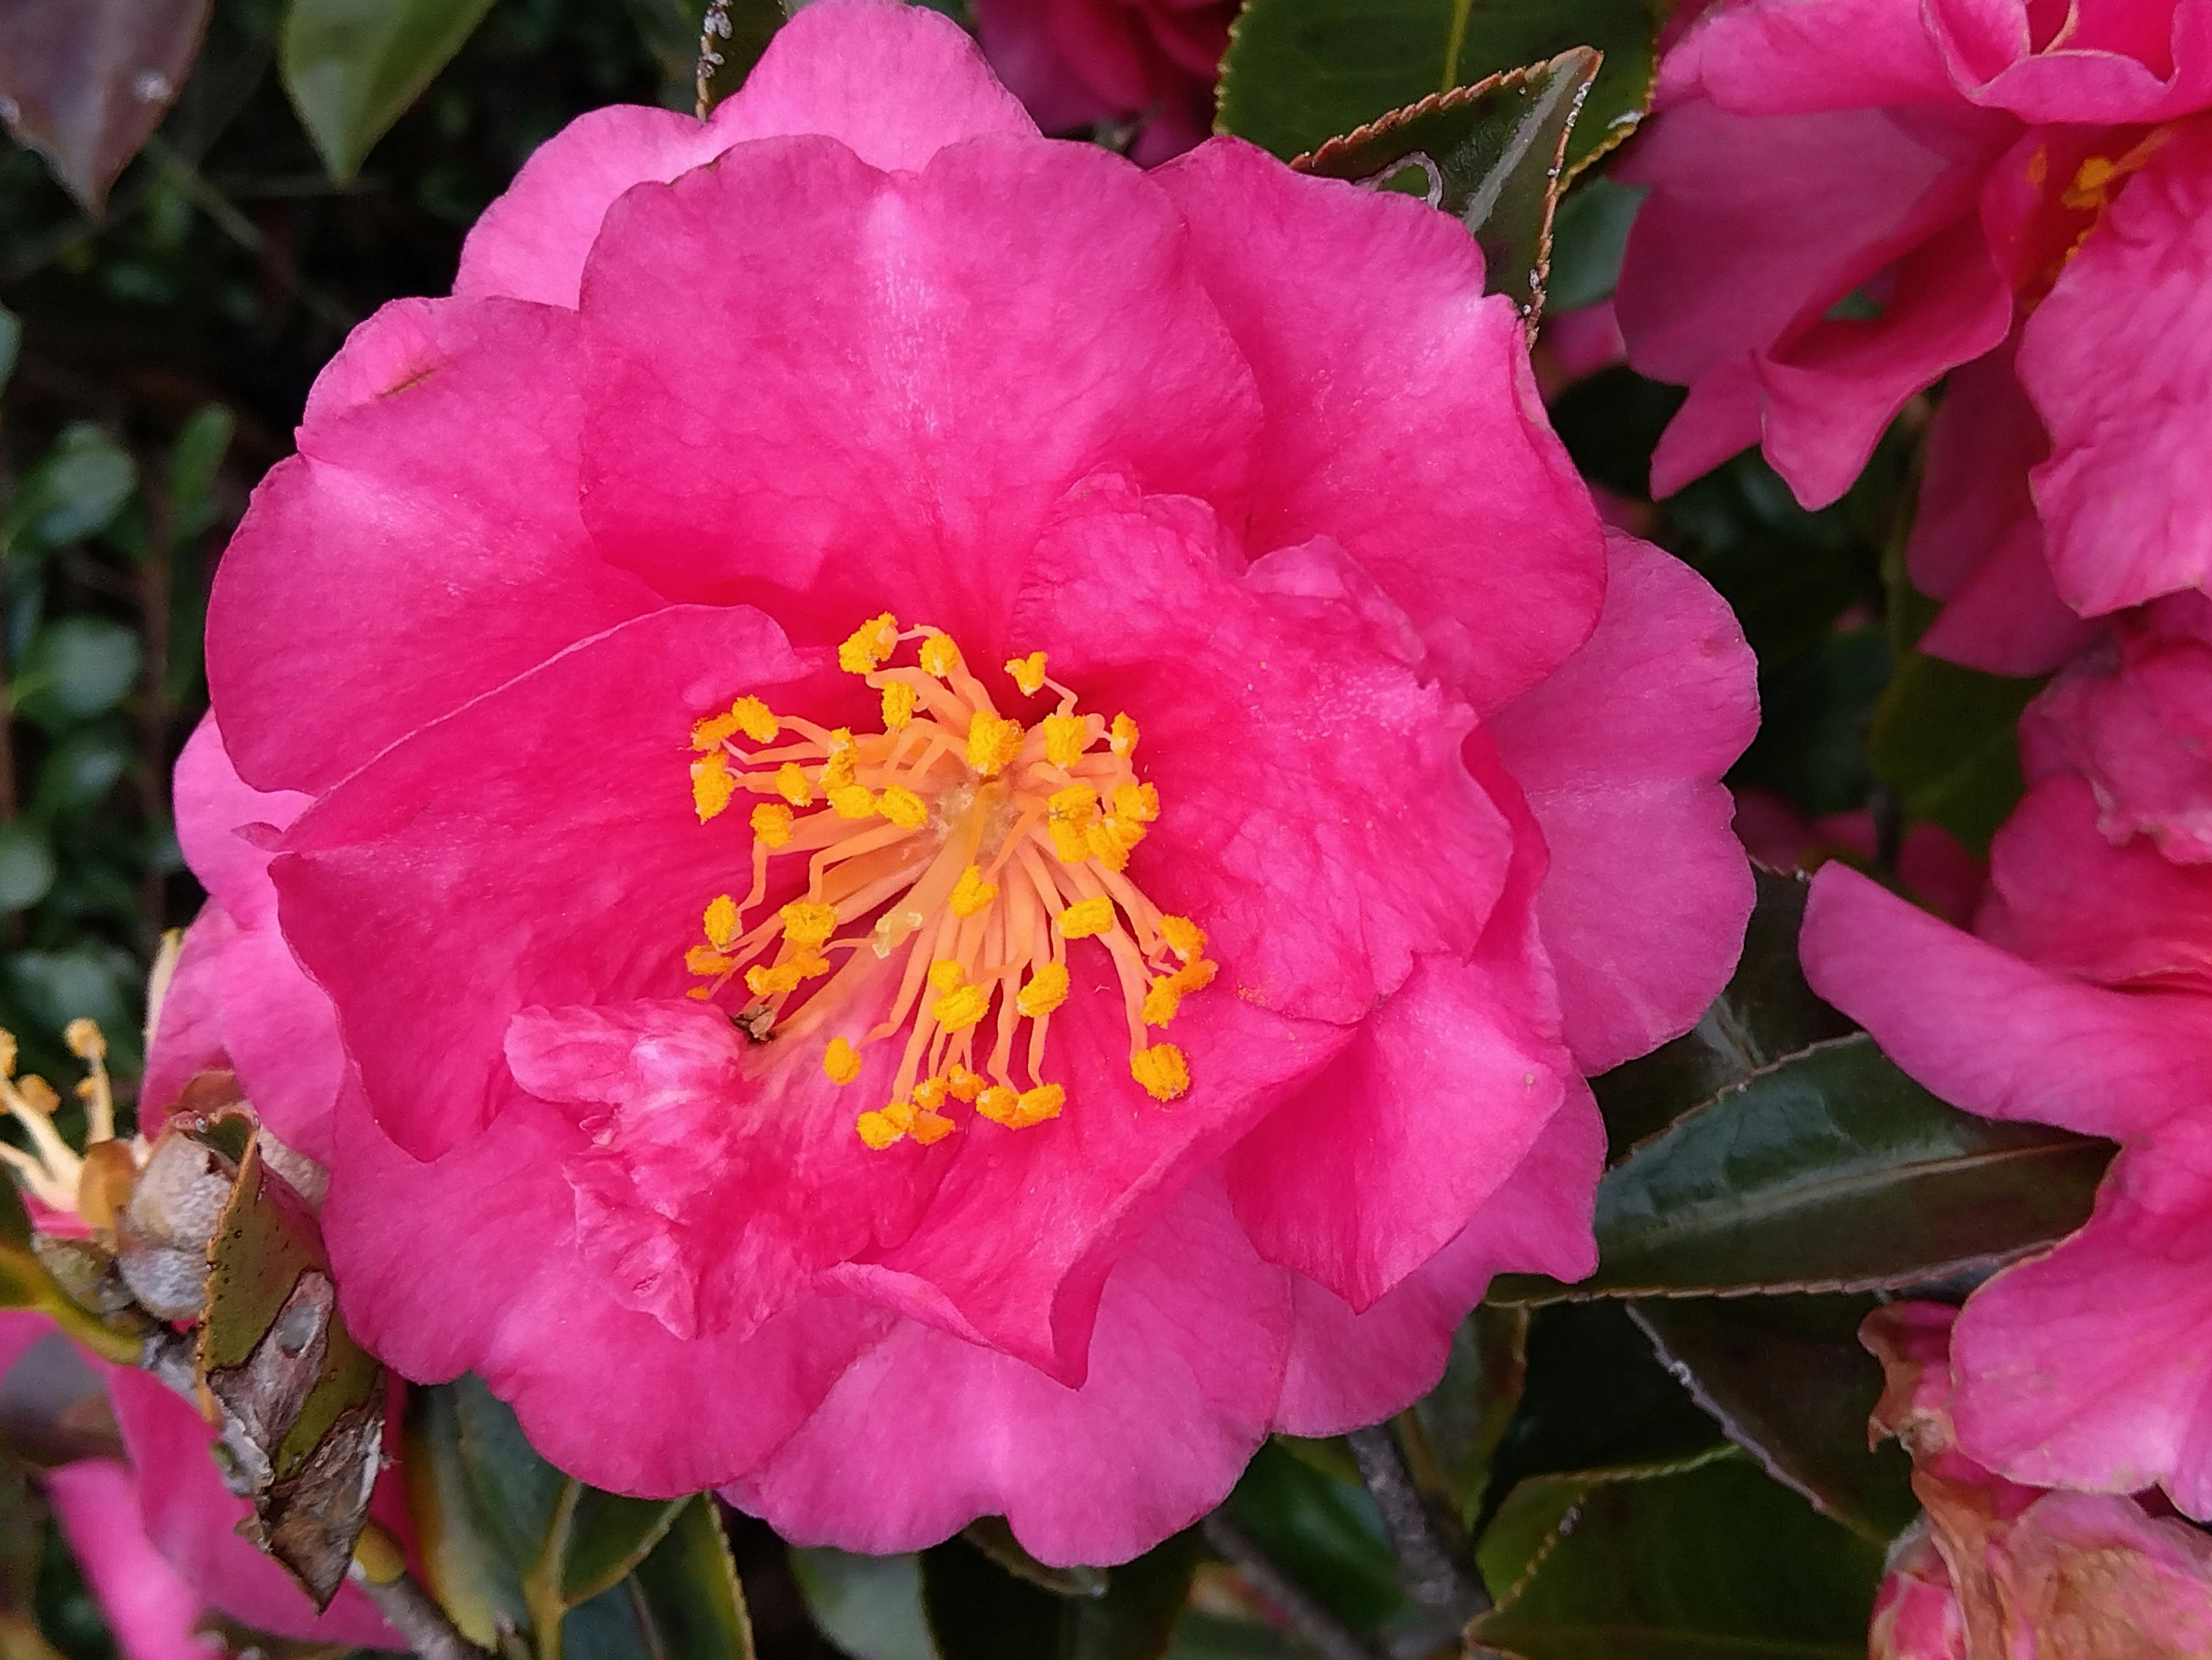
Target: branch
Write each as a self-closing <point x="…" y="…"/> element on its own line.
<point x="408" y="1609"/>
<point x="1430" y="1565"/>
<point x="1322" y="1631"/>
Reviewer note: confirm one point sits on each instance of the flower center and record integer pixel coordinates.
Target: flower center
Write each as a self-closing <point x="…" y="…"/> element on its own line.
<point x="976" y="846"/>
<point x="93" y="1185"/>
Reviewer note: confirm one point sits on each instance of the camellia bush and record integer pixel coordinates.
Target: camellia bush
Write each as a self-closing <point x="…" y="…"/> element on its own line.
<point x="1106" y="829"/>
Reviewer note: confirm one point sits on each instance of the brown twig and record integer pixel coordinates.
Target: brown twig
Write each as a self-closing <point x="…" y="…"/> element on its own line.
<point x="408" y="1609"/>
<point x="714" y="28"/>
<point x="1432" y="1566"/>
<point x="1323" y="1633"/>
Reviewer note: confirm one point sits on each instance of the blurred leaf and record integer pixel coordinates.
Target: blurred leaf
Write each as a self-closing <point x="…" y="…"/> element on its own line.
<point x="1463" y="1417"/>
<point x="978" y="1611"/>
<point x="1831" y="1171"/>
<point x="11" y="340"/>
<point x="1589" y="235"/>
<point x="1814" y="712"/>
<point x="869" y="1606"/>
<point x="91" y="978"/>
<point x="85" y="82"/>
<point x="1325" y="1533"/>
<point x="27" y="866"/>
<point x="79" y="771"/>
<point x="1711" y="1561"/>
<point x="1300" y="72"/>
<point x="1539" y="1511"/>
<point x="1786" y="1378"/>
<point x="1596" y="1398"/>
<point x="352" y="67"/>
<point x="462" y="1562"/>
<point x="302" y="1404"/>
<point x="1205" y="1635"/>
<point x="1489" y="155"/>
<point x="1944" y="739"/>
<point x="76" y="488"/>
<point x="991" y="1535"/>
<point x="670" y="28"/>
<point x="1766" y="1013"/>
<point x="194" y="459"/>
<point x="74" y="667"/>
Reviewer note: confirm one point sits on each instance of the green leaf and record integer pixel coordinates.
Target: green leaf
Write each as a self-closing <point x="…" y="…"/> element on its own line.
<point x="85" y="82"/>
<point x="991" y="1535"/>
<point x="74" y="491"/>
<point x="978" y="1611"/>
<point x="1463" y="1417"/>
<point x="1813" y="709"/>
<point x="1300" y="72"/>
<point x="1831" y="1171"/>
<point x="686" y="1591"/>
<point x="11" y="341"/>
<point x="462" y="1562"/>
<point x="194" y="459"/>
<point x="74" y="667"/>
<point x="1766" y="1013"/>
<point x="1325" y="1532"/>
<point x="1589" y="237"/>
<point x="1787" y="1380"/>
<point x="869" y="1606"/>
<point x="1539" y="1511"/>
<point x="1490" y="154"/>
<point x="1944" y="739"/>
<point x="609" y="1534"/>
<point x="352" y="67"/>
<point x="1712" y="1560"/>
<point x="27" y="866"/>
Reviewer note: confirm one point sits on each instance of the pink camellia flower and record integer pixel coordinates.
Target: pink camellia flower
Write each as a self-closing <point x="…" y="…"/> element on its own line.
<point x="1074" y="63"/>
<point x="972" y="824"/>
<point x="1849" y="197"/>
<point x="2085" y="1002"/>
<point x="2010" y="1573"/>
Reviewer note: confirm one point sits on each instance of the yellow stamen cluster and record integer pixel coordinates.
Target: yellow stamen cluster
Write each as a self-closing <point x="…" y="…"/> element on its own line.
<point x="966" y="846"/>
<point x="57" y="1175"/>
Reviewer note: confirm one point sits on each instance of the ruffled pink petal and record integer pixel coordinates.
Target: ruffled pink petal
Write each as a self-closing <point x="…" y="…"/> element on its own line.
<point x="1620" y="754"/>
<point x="2083" y="1368"/>
<point x="226" y="826"/>
<point x="493" y="1225"/>
<point x="190" y="1517"/>
<point x="1725" y="413"/>
<point x="926" y="1431"/>
<point x="1372" y="411"/>
<point x="897" y="83"/>
<point x="1348" y="1369"/>
<point x="550" y="822"/>
<point x="148" y="1606"/>
<point x="422" y="547"/>
<point x="2146" y="1579"/>
<point x="2068" y="901"/>
<point x="2131" y="61"/>
<point x="1916" y="1608"/>
<point x="1380" y="1161"/>
<point x="1782" y="56"/>
<point x="884" y="383"/>
<point x="2115" y="362"/>
<point x="1995" y="1035"/>
<point x="190" y="1037"/>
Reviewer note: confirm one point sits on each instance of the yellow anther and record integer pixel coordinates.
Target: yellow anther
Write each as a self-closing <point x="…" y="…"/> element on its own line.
<point x="763" y="980"/>
<point x="1122" y="736"/>
<point x="1184" y="937"/>
<point x="902" y="807"/>
<point x="945" y="974"/>
<point x="720" y="921"/>
<point x="707" y="734"/>
<point x="806" y="923"/>
<point x="1069" y="845"/>
<point x="961" y="1008"/>
<point x="877" y="1131"/>
<point x="841" y="1061"/>
<point x="705" y="960"/>
<point x="1162" y="998"/>
<point x="84" y="1039"/>
<point x="852" y="801"/>
<point x="930" y="1127"/>
<point x="771" y="824"/>
<point x="1138" y="803"/>
<point x="929" y="1094"/>
<point x="900" y="1113"/>
<point x="1161" y="1070"/>
<point x="867" y="646"/>
<point x="1028" y="672"/>
<point x="964" y="1085"/>
<point x="1086" y="917"/>
<point x="843" y="766"/>
<point x="711" y="786"/>
<point x="992" y="742"/>
<point x="756" y="719"/>
<point x="971" y="892"/>
<point x="1066" y="737"/>
<point x="1078" y="804"/>
<point x="999" y="1103"/>
<point x="1108" y="841"/>
<point x="792" y="784"/>
<point x="1034" y="1106"/>
<point x="898" y="705"/>
<point x="939" y="656"/>
<point x="1046" y="991"/>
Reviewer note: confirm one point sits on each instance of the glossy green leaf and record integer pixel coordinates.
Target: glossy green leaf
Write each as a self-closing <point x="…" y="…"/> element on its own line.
<point x="352" y="67"/>
<point x="991" y="1535"/>
<point x="463" y="1564"/>
<point x="74" y="491"/>
<point x="1944" y="738"/>
<point x="978" y="1611"/>
<point x="1490" y="154"/>
<point x="1536" y="1514"/>
<point x="75" y="667"/>
<point x="1300" y="72"/>
<point x="1766" y="1013"/>
<point x="1787" y="1380"/>
<point x="868" y="1605"/>
<point x="1713" y="1560"/>
<point x="686" y="1591"/>
<point x="1325" y="1532"/>
<point x="1831" y="1171"/>
<point x="27" y="866"/>
<point x="1589" y="237"/>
